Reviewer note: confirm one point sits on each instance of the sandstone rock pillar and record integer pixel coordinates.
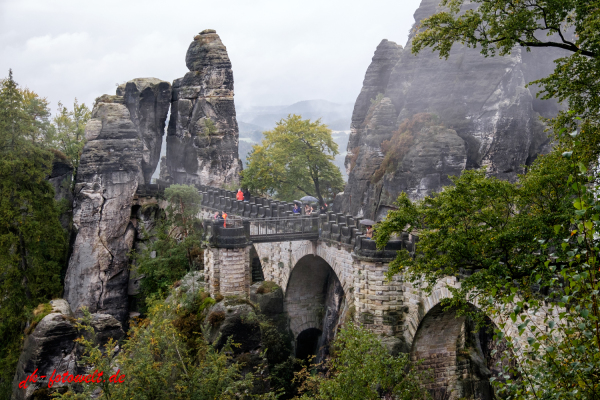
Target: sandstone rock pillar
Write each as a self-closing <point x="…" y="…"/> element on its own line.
<point x="202" y="139"/>
<point x="119" y="156"/>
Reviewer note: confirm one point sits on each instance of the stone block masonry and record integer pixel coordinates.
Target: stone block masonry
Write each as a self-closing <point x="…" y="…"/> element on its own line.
<point x="227" y="271"/>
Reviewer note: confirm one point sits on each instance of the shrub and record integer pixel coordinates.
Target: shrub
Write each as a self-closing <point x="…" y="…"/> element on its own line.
<point x="400" y="143"/>
<point x="355" y="152"/>
<point x="216" y="317"/>
<point x="267" y="287"/>
<point x="38" y="314"/>
<point x="362" y="368"/>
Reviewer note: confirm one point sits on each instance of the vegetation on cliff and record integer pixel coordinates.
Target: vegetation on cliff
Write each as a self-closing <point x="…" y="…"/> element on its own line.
<point x="33" y="245"/>
<point x="362" y="368"/>
<point x="526" y="252"/>
<point x="174" y="245"/>
<point x="295" y="159"/>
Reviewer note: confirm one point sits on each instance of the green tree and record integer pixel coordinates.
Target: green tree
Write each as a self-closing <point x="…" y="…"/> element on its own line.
<point x="557" y="266"/>
<point x="32" y="242"/>
<point x="498" y="26"/>
<point x="156" y="363"/>
<point x="38" y="109"/>
<point x="69" y="131"/>
<point x="522" y="250"/>
<point x="362" y="368"/>
<point x="174" y="245"/>
<point x="295" y="159"/>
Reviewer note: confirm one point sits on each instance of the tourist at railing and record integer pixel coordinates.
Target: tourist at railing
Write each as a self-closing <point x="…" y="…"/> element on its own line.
<point x="296" y="209"/>
<point x="220" y="218"/>
<point x="369" y="233"/>
<point x="308" y="209"/>
<point x="240" y="195"/>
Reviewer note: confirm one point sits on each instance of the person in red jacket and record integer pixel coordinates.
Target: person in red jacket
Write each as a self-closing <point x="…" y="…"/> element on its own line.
<point x="224" y="219"/>
<point x="239" y="196"/>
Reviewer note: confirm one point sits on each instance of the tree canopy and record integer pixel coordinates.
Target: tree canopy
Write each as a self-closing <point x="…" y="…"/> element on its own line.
<point x="32" y="242"/>
<point x="68" y="133"/>
<point x="295" y="159"/>
<point x="527" y="252"/>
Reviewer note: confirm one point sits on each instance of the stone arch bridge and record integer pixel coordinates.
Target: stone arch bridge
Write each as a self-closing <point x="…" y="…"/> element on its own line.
<point x="329" y="273"/>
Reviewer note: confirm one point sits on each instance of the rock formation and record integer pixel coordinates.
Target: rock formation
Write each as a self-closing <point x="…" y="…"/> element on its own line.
<point x="148" y="101"/>
<point x="487" y="117"/>
<point x="122" y="150"/>
<point x="51" y="347"/>
<point x="61" y="179"/>
<point x="202" y="141"/>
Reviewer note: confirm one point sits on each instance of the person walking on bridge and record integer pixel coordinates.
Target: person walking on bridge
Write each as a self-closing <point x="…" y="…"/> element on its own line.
<point x="240" y="195"/>
<point x="246" y="194"/>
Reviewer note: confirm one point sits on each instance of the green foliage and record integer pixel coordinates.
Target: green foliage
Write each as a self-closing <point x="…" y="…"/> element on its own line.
<point x="32" y="243"/>
<point x="400" y="143"/>
<point x="498" y="26"/>
<point x="523" y="250"/>
<point x="38" y="314"/>
<point x="294" y="159"/>
<point x="38" y="110"/>
<point x="267" y="287"/>
<point x="158" y="364"/>
<point x="69" y="131"/>
<point x="362" y="368"/>
<point x="211" y="128"/>
<point x="176" y="246"/>
<point x="377" y="99"/>
<point x="552" y="260"/>
<point x="483" y="225"/>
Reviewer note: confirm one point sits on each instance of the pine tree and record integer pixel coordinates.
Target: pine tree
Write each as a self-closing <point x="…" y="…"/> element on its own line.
<point x="32" y="242"/>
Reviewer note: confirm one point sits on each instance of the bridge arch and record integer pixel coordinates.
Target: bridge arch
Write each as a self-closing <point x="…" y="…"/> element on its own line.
<point x="458" y="358"/>
<point x="314" y="301"/>
<point x="256" y="268"/>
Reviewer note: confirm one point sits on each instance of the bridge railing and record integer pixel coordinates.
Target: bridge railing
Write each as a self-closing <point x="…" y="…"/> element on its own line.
<point x="262" y="219"/>
<point x="299" y="227"/>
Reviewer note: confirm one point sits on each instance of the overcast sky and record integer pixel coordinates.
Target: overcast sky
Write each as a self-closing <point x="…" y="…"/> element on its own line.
<point x="281" y="51"/>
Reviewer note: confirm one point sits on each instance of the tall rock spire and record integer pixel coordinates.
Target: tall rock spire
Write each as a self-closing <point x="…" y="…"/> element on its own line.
<point x="485" y="115"/>
<point x="202" y="139"/>
<point x="121" y="153"/>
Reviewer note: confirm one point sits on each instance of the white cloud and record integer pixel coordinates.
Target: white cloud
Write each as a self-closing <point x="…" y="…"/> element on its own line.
<point x="281" y="51"/>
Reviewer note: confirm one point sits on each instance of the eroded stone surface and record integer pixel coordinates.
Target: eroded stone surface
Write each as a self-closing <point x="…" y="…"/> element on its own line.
<point x="120" y="151"/>
<point x="202" y="141"/>
<point x="485" y="101"/>
<point x="51" y="348"/>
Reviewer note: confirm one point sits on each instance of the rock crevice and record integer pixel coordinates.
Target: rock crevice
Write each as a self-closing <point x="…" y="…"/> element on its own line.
<point x="121" y="153"/>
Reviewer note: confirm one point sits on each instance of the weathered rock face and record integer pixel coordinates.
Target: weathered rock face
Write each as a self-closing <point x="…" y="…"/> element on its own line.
<point x="51" y="347"/>
<point x="118" y="156"/>
<point x="483" y="102"/>
<point x="148" y="101"/>
<point x="61" y="179"/>
<point x="202" y="141"/>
